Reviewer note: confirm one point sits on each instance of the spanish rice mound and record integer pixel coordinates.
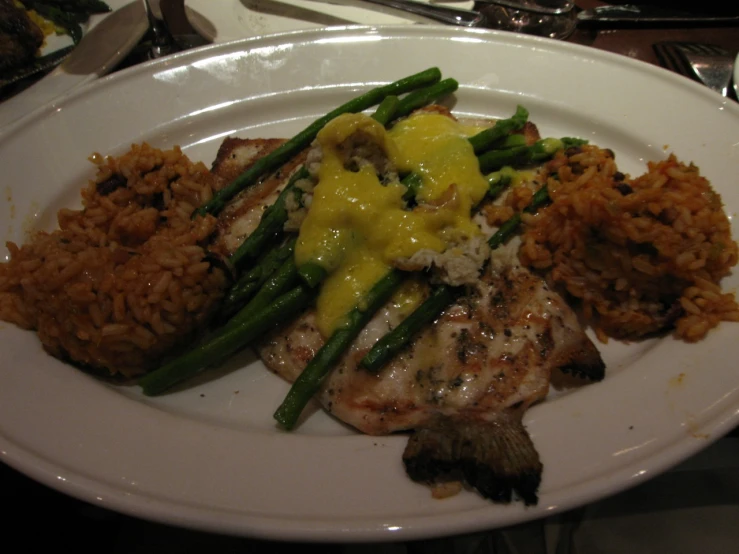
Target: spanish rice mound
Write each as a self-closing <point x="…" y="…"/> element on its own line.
<point x="127" y="279"/>
<point x="641" y="255"/>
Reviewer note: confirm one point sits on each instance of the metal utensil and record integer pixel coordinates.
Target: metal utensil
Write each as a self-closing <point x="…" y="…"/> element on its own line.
<point x="710" y="64"/>
<point x="649" y="15"/>
<point x="552" y="7"/>
<point x="492" y="16"/>
<point x="443" y="14"/>
<point x="179" y="27"/>
<point x="162" y="43"/>
<point x="531" y="23"/>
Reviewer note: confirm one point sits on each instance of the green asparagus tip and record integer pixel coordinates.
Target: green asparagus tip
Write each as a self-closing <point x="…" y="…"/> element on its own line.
<point x="521" y="116"/>
<point x="394" y="341"/>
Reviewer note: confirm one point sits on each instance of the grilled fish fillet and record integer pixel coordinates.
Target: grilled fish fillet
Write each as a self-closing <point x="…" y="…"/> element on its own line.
<point x="462" y="385"/>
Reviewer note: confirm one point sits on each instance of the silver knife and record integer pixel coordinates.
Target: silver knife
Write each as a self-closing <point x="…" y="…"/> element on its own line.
<point x="632" y="13"/>
<point x="178" y="25"/>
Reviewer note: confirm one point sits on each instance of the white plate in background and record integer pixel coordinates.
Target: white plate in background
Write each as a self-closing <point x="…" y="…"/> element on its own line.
<point x="209" y="455"/>
<point x="107" y="39"/>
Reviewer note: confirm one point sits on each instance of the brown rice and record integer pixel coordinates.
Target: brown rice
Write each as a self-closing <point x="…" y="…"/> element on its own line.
<point x="640" y="255"/>
<point x="127" y="279"/>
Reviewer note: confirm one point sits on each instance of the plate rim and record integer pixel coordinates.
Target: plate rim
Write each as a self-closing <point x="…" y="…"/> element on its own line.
<point x="507" y="37"/>
<point x="128" y="504"/>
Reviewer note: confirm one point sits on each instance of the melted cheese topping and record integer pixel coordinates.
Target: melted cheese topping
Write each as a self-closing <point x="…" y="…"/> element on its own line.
<point x="357" y="227"/>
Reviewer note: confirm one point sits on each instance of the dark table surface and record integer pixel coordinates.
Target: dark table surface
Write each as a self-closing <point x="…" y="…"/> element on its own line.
<point x="636" y="42"/>
<point x="37" y="516"/>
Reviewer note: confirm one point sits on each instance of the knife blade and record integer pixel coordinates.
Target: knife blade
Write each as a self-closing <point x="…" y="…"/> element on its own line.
<point x="178" y="25"/>
<point x="633" y="13"/>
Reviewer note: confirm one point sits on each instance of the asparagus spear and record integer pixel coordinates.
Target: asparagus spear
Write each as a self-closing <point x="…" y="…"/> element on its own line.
<point x="252" y="320"/>
<point x="308" y="382"/>
<point x="304" y="138"/>
<point x="285" y="277"/>
<point x="504" y="232"/>
<point x="421" y="97"/>
<point x="389" y="345"/>
<point x="281" y="280"/>
<point x="482" y="141"/>
<point x="250" y="282"/>
<point x="387" y="109"/>
<point x="271" y="223"/>
<point x="226" y="341"/>
<point x="538" y="152"/>
<point x="507" y="142"/>
<point x="499" y="180"/>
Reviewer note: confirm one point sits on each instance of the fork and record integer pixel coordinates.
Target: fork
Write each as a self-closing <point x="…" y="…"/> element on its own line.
<point x="710" y="64"/>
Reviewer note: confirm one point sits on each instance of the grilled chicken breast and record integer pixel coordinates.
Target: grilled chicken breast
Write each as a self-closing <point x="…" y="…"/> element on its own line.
<point x="463" y="384"/>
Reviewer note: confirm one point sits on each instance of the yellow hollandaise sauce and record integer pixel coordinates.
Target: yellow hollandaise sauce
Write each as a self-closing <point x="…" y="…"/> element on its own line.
<point x="357" y="227"/>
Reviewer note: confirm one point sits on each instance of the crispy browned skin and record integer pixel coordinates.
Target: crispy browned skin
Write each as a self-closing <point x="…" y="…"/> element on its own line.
<point x="496" y="457"/>
<point x="20" y="38"/>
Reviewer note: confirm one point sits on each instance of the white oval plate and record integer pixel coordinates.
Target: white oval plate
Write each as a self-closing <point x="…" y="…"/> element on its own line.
<point x="107" y="39"/>
<point x="227" y="20"/>
<point x="209" y="455"/>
